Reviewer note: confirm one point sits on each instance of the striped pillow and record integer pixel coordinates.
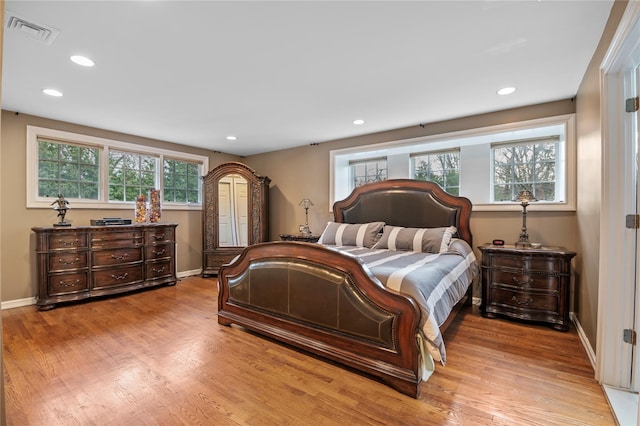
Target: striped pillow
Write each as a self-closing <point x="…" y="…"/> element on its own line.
<point x="351" y="234"/>
<point x="426" y="240"/>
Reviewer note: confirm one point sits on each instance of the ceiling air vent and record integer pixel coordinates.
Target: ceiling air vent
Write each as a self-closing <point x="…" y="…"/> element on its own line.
<point x="30" y="29"/>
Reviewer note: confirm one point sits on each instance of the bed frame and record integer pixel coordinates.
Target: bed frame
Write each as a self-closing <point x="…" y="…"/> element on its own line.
<point x="328" y="303"/>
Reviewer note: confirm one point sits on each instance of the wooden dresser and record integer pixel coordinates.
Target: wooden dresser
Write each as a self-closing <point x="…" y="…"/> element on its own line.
<point x="82" y="262"/>
<point x="527" y="284"/>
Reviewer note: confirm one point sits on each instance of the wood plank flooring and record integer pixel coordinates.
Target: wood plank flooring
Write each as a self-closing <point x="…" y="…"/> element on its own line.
<point x="159" y="357"/>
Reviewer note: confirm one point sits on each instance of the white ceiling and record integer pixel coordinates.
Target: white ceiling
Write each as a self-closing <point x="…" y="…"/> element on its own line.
<point x="285" y="74"/>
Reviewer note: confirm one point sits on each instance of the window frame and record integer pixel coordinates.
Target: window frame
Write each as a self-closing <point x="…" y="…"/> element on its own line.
<point x="353" y="163"/>
<point x="104" y="145"/>
<point x="399" y="165"/>
<point x="559" y="159"/>
<point x="415" y="155"/>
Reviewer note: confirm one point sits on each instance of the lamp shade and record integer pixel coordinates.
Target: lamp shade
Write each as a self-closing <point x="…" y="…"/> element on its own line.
<point x="525" y="197"/>
<point x="306" y="203"/>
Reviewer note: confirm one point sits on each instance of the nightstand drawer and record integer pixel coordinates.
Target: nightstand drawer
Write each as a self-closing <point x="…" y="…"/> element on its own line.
<point x="528" y="263"/>
<point x="526" y="281"/>
<point x="516" y="301"/>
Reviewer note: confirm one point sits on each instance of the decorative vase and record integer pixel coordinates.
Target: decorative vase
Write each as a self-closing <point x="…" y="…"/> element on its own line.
<point x="141" y="209"/>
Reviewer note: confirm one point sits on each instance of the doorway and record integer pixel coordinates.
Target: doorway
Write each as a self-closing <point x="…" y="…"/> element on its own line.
<point x="618" y="361"/>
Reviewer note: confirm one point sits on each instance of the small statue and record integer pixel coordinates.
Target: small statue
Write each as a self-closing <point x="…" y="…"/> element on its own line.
<point x="61" y="205"/>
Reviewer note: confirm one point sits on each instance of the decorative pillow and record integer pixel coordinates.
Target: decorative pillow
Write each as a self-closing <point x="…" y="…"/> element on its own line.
<point x="351" y="234"/>
<point x="426" y="240"/>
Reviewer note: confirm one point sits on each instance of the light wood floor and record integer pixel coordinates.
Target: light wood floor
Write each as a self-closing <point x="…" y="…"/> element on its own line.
<point x="160" y="357"/>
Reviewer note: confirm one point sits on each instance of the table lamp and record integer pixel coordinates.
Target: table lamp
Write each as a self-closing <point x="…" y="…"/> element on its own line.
<point x="524" y="197"/>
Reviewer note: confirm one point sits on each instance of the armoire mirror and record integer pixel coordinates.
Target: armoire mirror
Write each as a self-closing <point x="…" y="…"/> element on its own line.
<point x="235" y="213"/>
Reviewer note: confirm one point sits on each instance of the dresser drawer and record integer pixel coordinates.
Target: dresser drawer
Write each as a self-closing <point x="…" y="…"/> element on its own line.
<point x="159" y="269"/>
<point x="525" y="281"/>
<point x="116" y="256"/>
<point x="117" y="276"/>
<point x="67" y="283"/>
<point x="528" y="263"/>
<point x="159" y="234"/>
<point x="67" y="241"/>
<point x="159" y="251"/>
<point x="65" y="260"/>
<point x="116" y="239"/>
<point x="510" y="300"/>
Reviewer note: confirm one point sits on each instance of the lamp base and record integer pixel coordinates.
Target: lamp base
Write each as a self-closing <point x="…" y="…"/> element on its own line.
<point x="522" y="244"/>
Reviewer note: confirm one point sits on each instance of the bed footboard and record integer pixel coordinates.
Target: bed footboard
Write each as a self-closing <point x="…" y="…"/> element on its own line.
<point x="324" y="302"/>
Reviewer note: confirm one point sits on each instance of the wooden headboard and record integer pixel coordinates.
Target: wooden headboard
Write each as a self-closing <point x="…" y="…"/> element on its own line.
<point x="408" y="203"/>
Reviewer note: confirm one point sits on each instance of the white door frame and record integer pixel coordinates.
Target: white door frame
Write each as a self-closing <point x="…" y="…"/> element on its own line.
<point x="616" y="266"/>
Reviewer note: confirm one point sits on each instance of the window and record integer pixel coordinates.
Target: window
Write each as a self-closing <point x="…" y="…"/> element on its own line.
<point x="67" y="169"/>
<point x="442" y="168"/>
<point x="101" y="173"/>
<point x="527" y="165"/>
<point x="367" y="171"/>
<point x="181" y="181"/>
<point x="130" y="175"/>
<point x="488" y="165"/>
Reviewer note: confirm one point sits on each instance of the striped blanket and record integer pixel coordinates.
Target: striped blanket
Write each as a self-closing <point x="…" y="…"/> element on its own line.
<point x="435" y="281"/>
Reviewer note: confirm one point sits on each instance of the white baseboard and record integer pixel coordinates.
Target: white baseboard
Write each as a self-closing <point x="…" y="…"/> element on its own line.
<point x="185" y="274"/>
<point x="585" y="342"/>
<point x="17" y="303"/>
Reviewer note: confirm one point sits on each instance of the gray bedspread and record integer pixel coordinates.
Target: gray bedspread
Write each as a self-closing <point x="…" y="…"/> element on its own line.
<point x="435" y="281"/>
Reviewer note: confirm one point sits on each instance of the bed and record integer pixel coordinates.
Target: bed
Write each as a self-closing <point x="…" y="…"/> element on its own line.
<point x="351" y="298"/>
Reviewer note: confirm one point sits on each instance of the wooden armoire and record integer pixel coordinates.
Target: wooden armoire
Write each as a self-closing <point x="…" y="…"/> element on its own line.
<point x="236" y="213"/>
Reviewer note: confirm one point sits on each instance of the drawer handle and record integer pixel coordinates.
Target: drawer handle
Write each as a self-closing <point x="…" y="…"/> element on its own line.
<point x="68" y="243"/>
<point x="159" y="236"/>
<point x="69" y="284"/>
<point x="527" y="282"/>
<point x="522" y="302"/>
<point x="120" y="257"/>
<point x="69" y="262"/>
<point x="158" y="271"/>
<point x="120" y="277"/>
<point x="159" y="252"/>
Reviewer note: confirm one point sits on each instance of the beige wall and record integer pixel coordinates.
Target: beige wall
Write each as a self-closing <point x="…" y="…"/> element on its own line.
<point x="17" y="243"/>
<point x="2" y="413"/>
<point x="302" y="172"/>
<point x="589" y="178"/>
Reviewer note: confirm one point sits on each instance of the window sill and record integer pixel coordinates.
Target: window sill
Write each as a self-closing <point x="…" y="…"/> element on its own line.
<point x="88" y="205"/>
<point x="535" y="207"/>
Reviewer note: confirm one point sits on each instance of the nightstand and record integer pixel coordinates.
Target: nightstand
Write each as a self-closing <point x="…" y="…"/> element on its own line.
<point x="300" y="237"/>
<point x="527" y="284"/>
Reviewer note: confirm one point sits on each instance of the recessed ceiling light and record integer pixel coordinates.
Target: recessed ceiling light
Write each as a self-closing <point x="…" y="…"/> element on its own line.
<point x="52" y="92"/>
<point x="231" y="138"/>
<point x="358" y="122"/>
<point x="506" y="90"/>
<point x="82" y="60"/>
